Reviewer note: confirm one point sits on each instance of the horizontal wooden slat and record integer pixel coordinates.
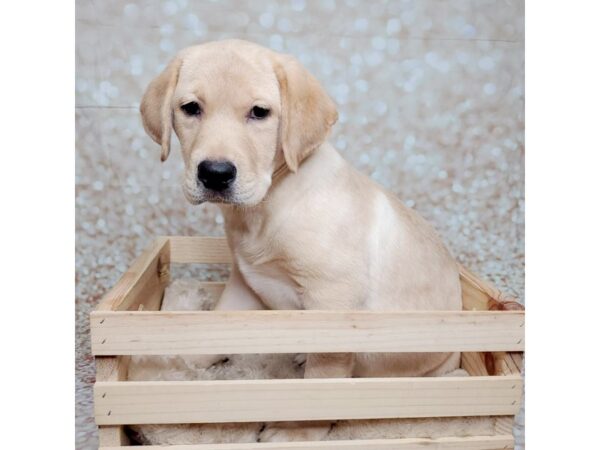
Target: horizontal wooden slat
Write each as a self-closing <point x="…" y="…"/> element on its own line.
<point x="151" y="402"/>
<point x="199" y="249"/>
<point x="217" y="332"/>
<point x="447" y="443"/>
<point x="478" y="294"/>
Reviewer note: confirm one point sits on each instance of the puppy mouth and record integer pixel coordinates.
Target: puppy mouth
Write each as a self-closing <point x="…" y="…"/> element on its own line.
<point x="245" y="196"/>
<point x="196" y="194"/>
<point x="219" y="197"/>
<point x="192" y="198"/>
<point x="197" y="197"/>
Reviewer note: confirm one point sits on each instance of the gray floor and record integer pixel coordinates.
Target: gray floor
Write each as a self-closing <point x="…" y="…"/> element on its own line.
<point x="430" y="95"/>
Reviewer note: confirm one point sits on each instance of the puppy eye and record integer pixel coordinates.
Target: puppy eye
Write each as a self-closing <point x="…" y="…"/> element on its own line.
<point x="259" y="113"/>
<point x="191" y="109"/>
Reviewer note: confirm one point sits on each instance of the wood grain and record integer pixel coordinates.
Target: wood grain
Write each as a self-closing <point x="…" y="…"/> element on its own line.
<point x="110" y="369"/>
<point x="446" y="443"/>
<point x="143" y="283"/>
<point x="218" y="332"/>
<point x="148" y="402"/>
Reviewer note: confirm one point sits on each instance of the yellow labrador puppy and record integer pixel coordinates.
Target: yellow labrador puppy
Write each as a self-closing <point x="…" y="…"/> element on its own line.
<point x="307" y="231"/>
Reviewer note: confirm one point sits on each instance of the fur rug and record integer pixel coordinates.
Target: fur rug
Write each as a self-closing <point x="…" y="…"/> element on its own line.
<point x="187" y="295"/>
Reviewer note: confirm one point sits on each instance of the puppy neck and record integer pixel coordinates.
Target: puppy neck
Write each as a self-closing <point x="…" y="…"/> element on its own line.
<point x="315" y="176"/>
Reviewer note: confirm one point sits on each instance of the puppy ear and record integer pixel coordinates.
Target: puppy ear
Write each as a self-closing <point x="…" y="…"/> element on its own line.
<point x="156" y="110"/>
<point x="307" y="112"/>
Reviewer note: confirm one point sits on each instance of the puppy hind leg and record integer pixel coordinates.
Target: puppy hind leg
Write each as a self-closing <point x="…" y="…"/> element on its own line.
<point x="329" y="365"/>
<point x="449" y="367"/>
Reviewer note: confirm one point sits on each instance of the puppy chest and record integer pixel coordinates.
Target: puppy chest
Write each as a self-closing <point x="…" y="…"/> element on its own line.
<point x="274" y="286"/>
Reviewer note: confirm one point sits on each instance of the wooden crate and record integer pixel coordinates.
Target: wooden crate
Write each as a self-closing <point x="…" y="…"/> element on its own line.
<point x="489" y="332"/>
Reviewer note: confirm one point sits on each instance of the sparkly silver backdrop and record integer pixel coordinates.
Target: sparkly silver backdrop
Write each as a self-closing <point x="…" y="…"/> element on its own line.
<point x="430" y="95"/>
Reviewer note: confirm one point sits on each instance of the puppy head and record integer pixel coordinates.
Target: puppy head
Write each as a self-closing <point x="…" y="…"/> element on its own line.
<point x="239" y="111"/>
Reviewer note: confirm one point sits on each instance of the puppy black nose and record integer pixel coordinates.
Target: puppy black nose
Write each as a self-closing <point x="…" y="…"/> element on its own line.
<point x="216" y="175"/>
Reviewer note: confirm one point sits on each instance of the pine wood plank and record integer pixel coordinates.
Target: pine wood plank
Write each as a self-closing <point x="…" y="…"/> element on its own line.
<point x="147" y="402"/>
<point x="479" y="295"/>
<point x="446" y="443"/>
<point x="143" y="283"/>
<point x="517" y="358"/>
<point x="474" y="364"/>
<point x="110" y="369"/>
<point x="475" y="291"/>
<point x="504" y="425"/>
<point x="505" y="365"/>
<point x="218" y="332"/>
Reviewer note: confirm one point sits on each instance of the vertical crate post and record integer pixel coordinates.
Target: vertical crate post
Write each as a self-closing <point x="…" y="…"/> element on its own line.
<point x="111" y="368"/>
<point x="481" y="296"/>
<point x="141" y="287"/>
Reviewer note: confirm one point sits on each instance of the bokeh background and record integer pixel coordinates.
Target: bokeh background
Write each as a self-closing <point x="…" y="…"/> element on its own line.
<point x="430" y="95"/>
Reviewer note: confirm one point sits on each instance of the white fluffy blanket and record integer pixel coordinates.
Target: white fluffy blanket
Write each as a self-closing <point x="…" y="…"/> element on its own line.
<point x="186" y="295"/>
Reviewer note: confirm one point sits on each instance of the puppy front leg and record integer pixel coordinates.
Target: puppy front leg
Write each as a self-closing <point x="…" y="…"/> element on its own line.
<point x="318" y="365"/>
<point x="236" y="296"/>
<point x="327" y="365"/>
